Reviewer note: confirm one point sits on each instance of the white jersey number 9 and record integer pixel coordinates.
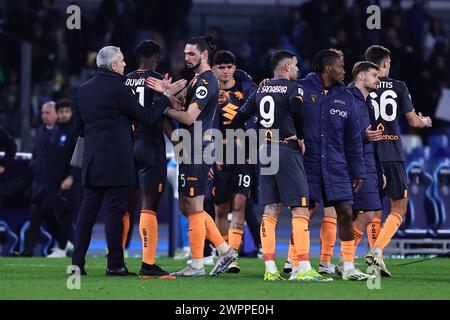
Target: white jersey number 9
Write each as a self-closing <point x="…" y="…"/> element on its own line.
<point x="267" y="117"/>
<point x="386" y="98"/>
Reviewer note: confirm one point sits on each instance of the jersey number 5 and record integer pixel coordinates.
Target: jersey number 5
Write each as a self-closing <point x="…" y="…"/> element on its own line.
<point x="267" y="117"/>
<point x="386" y="98"/>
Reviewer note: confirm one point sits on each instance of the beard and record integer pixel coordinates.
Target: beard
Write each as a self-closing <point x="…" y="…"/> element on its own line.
<point x="195" y="66"/>
<point x="370" y="89"/>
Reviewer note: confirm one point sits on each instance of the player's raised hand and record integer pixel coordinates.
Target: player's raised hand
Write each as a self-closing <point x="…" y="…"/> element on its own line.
<point x="373" y="135"/>
<point x="157" y="85"/>
<point x="357" y="185"/>
<point x="176" y="87"/>
<point x="426" y="120"/>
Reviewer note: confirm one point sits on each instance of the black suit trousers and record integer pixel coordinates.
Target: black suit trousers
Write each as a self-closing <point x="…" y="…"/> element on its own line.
<point x="115" y="203"/>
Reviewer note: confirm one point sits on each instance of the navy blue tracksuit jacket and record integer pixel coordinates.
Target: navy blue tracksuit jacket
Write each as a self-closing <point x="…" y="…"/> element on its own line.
<point x="334" y="152"/>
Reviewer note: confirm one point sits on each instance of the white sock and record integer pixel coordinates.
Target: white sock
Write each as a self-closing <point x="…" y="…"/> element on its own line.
<point x="304" y="266"/>
<point x="223" y="248"/>
<point x="325" y="264"/>
<point x="295" y="269"/>
<point x="271" y="266"/>
<point x="197" y="263"/>
<point x="348" y="266"/>
<point x="377" y="251"/>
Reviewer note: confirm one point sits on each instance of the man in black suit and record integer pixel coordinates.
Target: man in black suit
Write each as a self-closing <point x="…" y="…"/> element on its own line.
<point x="105" y="108"/>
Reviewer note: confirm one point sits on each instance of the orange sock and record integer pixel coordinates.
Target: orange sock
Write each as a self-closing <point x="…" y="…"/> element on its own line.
<point x="126" y="228"/>
<point x="358" y="235"/>
<point x="373" y="230"/>
<point x="225" y="237"/>
<point x="148" y="229"/>
<point x="348" y="250"/>
<point x="390" y="227"/>
<point x="235" y="236"/>
<point x="327" y="238"/>
<point x="197" y="233"/>
<point x="267" y="232"/>
<point x="292" y="254"/>
<point x="212" y="232"/>
<point x="300" y="230"/>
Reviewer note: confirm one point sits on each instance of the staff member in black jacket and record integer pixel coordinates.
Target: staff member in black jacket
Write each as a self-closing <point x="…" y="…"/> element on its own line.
<point x="42" y="190"/>
<point x="106" y="109"/>
<point x="61" y="146"/>
<point x="6" y="143"/>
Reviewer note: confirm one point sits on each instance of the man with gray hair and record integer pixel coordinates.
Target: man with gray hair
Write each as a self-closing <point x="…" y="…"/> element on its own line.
<point x="104" y="111"/>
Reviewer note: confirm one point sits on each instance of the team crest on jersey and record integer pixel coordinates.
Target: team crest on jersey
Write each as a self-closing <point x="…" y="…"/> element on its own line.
<point x="313" y="98"/>
<point x="201" y="92"/>
<point x="222" y="97"/>
<point x="239" y="95"/>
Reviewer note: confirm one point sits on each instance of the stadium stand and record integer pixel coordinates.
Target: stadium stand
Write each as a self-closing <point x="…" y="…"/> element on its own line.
<point x="425" y="229"/>
<point x="8" y="239"/>
<point x="441" y="192"/>
<point x="45" y="240"/>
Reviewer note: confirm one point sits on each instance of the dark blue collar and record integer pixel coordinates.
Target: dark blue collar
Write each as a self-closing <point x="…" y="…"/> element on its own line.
<point x="316" y="79"/>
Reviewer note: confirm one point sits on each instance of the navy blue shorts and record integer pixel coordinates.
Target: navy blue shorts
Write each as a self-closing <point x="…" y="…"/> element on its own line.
<point x="192" y="179"/>
<point x="288" y="185"/>
<point x="396" y="179"/>
<point x="368" y="198"/>
<point x="152" y="178"/>
<point x="231" y="179"/>
<point x="151" y="162"/>
<point x="317" y="193"/>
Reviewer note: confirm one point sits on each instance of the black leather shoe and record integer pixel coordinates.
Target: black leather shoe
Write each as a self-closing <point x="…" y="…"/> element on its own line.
<point x="82" y="271"/>
<point x="119" y="272"/>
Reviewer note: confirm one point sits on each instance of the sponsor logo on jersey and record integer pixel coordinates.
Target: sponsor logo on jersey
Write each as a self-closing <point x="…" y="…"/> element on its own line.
<point x="229" y="111"/>
<point x="390" y="137"/>
<point x="340" y="113"/>
<point x="201" y="92"/>
<point x="339" y="102"/>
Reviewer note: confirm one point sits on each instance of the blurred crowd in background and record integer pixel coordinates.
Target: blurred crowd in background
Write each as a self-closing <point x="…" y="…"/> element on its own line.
<point x="63" y="58"/>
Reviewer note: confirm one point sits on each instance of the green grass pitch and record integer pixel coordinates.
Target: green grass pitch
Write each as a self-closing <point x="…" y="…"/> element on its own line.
<point x="40" y="278"/>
